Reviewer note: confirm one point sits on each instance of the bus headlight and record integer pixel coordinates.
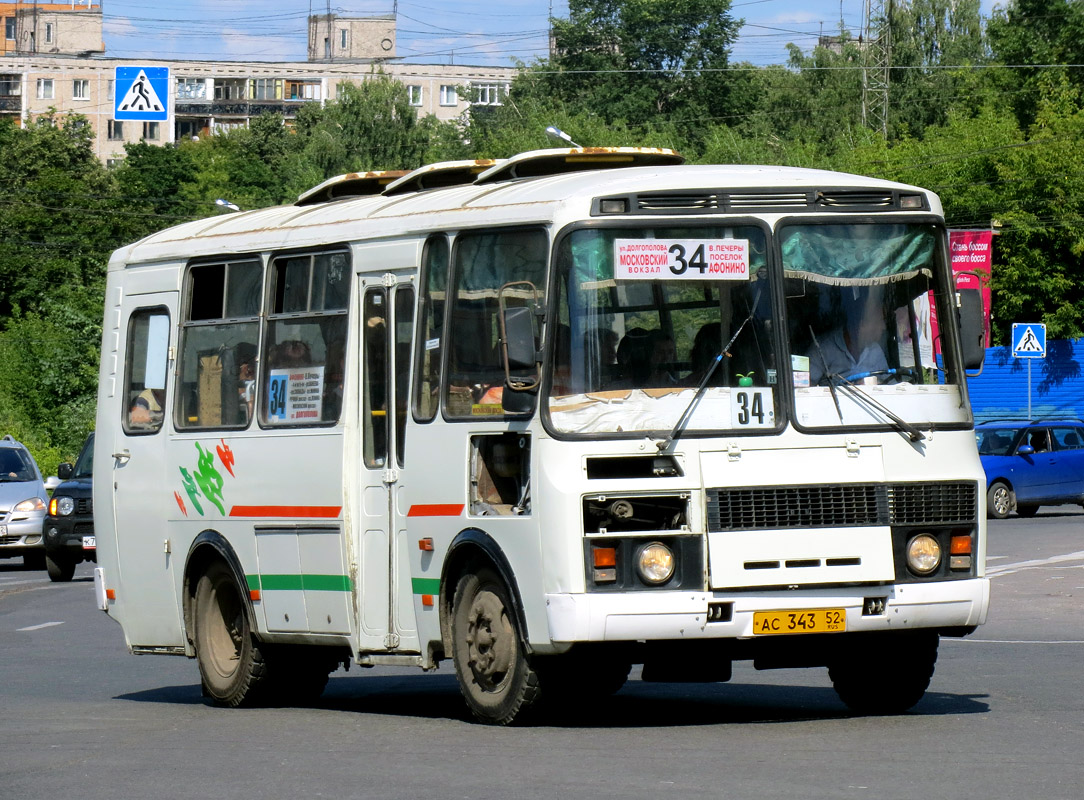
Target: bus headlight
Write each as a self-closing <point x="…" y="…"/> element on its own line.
<point x="655" y="563"/>
<point x="923" y="554"/>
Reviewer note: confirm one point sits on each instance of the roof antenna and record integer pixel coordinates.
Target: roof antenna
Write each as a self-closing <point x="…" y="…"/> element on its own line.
<point x="556" y="133"/>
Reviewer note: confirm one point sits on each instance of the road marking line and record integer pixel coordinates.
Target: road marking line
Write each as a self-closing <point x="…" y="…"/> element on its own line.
<point x="1016" y="641"/>
<point x="1009" y="569"/>
<point x="39" y="627"/>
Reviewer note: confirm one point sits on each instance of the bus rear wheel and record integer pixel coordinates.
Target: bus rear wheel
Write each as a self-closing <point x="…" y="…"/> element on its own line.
<point x="231" y="662"/>
<point x="494" y="675"/>
<point x="885" y="674"/>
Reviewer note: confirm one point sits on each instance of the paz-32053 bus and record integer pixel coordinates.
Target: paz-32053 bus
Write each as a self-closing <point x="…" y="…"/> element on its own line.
<point x="548" y="417"/>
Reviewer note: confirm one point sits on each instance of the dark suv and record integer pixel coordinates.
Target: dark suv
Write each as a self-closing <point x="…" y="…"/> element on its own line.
<point x="69" y="527"/>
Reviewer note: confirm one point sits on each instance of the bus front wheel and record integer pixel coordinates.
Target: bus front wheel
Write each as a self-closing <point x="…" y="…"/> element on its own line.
<point x="897" y="679"/>
<point x="231" y="662"/>
<point x="494" y="675"/>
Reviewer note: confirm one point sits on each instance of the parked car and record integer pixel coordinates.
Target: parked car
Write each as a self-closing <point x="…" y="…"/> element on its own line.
<point x="1031" y="464"/>
<point x="22" y="504"/>
<point x="69" y="527"/>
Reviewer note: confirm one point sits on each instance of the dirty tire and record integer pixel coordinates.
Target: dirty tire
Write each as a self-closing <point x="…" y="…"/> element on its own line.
<point x="494" y="674"/>
<point x="885" y="675"/>
<point x="60" y="569"/>
<point x="231" y="662"/>
<point x="999" y="500"/>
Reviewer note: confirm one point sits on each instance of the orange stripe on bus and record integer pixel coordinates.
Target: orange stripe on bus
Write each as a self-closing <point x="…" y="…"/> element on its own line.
<point x="436" y="510"/>
<point x="311" y="512"/>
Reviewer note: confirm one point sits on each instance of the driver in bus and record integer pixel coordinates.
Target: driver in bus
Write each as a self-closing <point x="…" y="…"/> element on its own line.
<point x="854" y="347"/>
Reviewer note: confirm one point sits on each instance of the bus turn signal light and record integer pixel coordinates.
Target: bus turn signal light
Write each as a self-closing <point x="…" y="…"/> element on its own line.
<point x="604" y="561"/>
<point x="604" y="557"/>
<point x="425" y="544"/>
<point x="960" y="553"/>
<point x="960" y="546"/>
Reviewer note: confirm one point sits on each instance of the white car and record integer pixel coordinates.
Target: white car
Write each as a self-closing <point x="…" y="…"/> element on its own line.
<point x="23" y="503"/>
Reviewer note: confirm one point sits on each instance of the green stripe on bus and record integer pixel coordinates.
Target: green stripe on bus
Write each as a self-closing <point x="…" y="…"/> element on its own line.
<point x="312" y="583"/>
<point x="425" y="585"/>
<point x="253" y="582"/>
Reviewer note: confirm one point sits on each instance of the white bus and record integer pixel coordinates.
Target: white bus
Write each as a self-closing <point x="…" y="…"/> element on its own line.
<point x="549" y="418"/>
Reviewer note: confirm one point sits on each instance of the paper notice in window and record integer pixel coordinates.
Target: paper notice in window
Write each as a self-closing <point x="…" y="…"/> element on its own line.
<point x="681" y="259"/>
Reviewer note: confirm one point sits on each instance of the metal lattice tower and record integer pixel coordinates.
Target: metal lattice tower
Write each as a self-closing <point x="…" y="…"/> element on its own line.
<point x="876" y="63"/>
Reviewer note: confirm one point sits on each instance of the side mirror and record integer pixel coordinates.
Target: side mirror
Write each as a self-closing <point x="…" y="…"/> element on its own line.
<point x="972" y="329"/>
<point x="1025" y="450"/>
<point x="64" y="471"/>
<point x="519" y="349"/>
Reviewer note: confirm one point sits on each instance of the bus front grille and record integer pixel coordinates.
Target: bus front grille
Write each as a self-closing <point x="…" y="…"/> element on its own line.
<point x="840" y="505"/>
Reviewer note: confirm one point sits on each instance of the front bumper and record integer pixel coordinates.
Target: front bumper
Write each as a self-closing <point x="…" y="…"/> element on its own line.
<point x="648" y="616"/>
<point x="20" y="534"/>
<point x="67" y="535"/>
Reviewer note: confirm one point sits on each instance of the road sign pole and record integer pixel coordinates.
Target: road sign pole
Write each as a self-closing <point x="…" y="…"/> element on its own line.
<point x="1029" y="390"/>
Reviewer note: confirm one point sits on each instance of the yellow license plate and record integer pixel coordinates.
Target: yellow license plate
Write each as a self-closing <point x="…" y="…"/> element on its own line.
<point x="818" y="620"/>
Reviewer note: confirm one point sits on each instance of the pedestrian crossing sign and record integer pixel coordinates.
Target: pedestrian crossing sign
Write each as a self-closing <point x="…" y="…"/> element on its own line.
<point x="1028" y="340"/>
<point x="141" y="94"/>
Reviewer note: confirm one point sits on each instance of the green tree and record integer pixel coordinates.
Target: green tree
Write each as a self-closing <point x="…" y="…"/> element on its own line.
<point x="642" y="61"/>
<point x="936" y="45"/>
<point x="1033" y="38"/>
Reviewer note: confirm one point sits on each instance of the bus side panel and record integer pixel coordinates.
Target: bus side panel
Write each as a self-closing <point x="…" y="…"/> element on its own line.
<point x="276" y="497"/>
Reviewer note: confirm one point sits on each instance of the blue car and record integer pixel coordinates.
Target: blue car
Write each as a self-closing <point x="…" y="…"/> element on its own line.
<point x="1031" y="464"/>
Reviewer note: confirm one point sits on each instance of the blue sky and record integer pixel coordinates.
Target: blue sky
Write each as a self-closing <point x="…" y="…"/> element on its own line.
<point x="430" y="31"/>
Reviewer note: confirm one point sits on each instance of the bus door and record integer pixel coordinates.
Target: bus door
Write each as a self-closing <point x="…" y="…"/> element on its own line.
<point x="140" y="498"/>
<point x="387" y="328"/>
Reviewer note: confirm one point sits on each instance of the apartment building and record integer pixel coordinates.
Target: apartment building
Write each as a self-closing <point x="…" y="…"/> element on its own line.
<point x="207" y="97"/>
<point x="33" y="28"/>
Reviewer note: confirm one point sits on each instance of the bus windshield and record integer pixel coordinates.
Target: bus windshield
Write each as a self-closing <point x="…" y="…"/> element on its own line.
<point x="859" y="299"/>
<point x="644" y="315"/>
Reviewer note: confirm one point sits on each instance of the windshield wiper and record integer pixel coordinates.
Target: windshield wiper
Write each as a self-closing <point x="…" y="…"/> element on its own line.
<point x="829" y="375"/>
<point x="687" y="413"/>
<point x="899" y="424"/>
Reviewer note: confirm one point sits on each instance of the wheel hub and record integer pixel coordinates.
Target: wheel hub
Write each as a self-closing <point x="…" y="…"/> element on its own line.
<point x="490" y="638"/>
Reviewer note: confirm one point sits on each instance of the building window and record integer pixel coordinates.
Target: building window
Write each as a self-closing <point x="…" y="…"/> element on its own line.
<point x="414" y="94"/>
<point x="48" y="32"/>
<point x="191" y="89"/>
<point x="230" y="89"/>
<point x="9" y="28"/>
<point x="489" y="94"/>
<point x="113" y="162"/>
<point x="265" y="88"/>
<point x="449" y="96"/>
<point x="302" y="90"/>
<point x="116" y="129"/>
<point x="10" y="86"/>
<point x="110" y="88"/>
<point x="227" y="125"/>
<point x="81" y="89"/>
<point x="342" y="38"/>
<point x="150" y="131"/>
<point x="45" y="88"/>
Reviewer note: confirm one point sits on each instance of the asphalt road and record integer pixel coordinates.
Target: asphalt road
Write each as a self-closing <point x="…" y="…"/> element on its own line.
<point x="1004" y="717"/>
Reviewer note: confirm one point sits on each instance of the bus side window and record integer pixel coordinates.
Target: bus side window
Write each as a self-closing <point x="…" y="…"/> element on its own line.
<point x="431" y="329"/>
<point x="404" y="331"/>
<point x="484" y="262"/>
<point x="374" y="386"/>
<point x="145" y="370"/>
<point x="302" y="372"/>
<point x="219" y="332"/>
